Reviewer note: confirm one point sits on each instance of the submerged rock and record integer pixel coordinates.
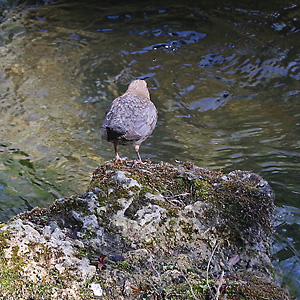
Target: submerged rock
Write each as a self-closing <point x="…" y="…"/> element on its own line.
<point x="146" y="231"/>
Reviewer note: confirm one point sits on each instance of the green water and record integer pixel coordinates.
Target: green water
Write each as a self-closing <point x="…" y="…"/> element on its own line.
<point x="224" y="76"/>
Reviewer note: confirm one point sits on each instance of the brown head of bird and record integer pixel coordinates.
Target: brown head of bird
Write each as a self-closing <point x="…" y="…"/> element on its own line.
<point x="131" y="119"/>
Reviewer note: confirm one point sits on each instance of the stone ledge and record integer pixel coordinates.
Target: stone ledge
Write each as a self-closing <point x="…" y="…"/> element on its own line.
<point x="146" y="231"/>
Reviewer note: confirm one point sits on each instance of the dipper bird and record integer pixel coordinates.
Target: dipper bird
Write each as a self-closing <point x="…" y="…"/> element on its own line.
<point x="131" y="119"/>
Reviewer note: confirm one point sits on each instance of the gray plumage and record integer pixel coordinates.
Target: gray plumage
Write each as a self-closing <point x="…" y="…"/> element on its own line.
<point x="131" y="118"/>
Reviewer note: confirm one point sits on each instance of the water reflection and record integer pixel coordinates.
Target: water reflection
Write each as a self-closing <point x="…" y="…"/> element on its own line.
<point x="286" y="248"/>
<point x="224" y="77"/>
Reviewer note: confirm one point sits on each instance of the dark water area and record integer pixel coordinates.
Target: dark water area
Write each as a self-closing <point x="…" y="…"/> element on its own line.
<point x="224" y="76"/>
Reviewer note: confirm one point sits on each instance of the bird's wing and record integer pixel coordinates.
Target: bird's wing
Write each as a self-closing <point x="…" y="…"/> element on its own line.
<point x="144" y="125"/>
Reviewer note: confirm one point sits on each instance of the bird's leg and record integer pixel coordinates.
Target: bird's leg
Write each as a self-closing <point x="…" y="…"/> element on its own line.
<point x="116" y="152"/>
<point x="137" y="147"/>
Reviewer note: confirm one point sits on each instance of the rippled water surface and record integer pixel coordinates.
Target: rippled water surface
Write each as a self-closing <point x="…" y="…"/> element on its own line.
<point x="224" y="76"/>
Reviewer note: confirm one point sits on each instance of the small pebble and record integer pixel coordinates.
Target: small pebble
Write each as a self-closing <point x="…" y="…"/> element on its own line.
<point x="96" y="288"/>
<point x="117" y="257"/>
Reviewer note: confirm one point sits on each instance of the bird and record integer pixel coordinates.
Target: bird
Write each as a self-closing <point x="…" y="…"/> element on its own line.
<point x="131" y="118"/>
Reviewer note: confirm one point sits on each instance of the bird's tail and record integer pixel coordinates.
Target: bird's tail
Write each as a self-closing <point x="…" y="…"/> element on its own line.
<point x="113" y="133"/>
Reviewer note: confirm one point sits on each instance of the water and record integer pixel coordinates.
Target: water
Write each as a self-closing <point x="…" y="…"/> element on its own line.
<point x="224" y="76"/>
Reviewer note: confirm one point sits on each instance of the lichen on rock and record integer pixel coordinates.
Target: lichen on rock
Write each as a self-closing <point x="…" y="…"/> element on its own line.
<point x="146" y="231"/>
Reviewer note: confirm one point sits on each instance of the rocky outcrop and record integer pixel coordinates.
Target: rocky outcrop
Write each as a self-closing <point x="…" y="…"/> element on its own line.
<point x="146" y="231"/>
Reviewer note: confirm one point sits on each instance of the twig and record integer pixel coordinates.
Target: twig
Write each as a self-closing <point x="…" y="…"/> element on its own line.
<point x="158" y="274"/>
<point x="172" y="202"/>
<point x="159" y="277"/>
<point x="188" y="282"/>
<point x="178" y="195"/>
<point x="172" y="198"/>
<point x="208" y="265"/>
<point x="220" y="283"/>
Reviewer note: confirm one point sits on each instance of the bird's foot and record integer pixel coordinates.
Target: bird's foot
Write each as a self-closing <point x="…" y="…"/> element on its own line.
<point x="139" y="161"/>
<point x="120" y="160"/>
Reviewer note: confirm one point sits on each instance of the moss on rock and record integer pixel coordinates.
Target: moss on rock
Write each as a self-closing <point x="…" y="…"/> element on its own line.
<point x="146" y="231"/>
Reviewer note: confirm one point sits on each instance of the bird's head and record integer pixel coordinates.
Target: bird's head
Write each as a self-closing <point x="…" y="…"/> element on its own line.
<point x="139" y="87"/>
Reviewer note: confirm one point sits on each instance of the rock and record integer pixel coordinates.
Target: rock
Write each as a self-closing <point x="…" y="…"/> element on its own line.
<point x="96" y="288"/>
<point x="146" y="231"/>
<point x="124" y="181"/>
